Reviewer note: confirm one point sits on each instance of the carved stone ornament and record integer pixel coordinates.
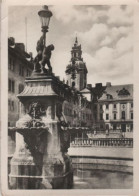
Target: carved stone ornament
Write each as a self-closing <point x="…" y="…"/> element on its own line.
<point x="35" y="140"/>
<point x="36" y="110"/>
<point x="124" y="92"/>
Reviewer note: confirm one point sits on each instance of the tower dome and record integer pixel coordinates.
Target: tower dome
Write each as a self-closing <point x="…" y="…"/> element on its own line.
<point x="76" y="70"/>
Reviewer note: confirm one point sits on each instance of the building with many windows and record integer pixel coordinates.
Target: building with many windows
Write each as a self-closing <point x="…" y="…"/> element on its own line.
<point x="114" y="109"/>
<point x="99" y="108"/>
<point x="19" y="66"/>
<point x="105" y="107"/>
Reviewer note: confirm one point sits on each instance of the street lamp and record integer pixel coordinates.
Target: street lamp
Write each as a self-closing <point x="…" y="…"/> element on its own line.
<point x="43" y="53"/>
<point x="45" y="15"/>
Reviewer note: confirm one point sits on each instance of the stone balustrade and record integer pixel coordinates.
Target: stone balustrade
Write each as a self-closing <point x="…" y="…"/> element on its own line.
<point x="103" y="142"/>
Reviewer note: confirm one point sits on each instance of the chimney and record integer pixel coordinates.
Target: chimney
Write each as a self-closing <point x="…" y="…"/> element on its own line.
<point x="108" y="84"/>
<point x="11" y="41"/>
<point x="21" y="46"/>
<point x="98" y="85"/>
<point x="31" y="55"/>
<point x="89" y="86"/>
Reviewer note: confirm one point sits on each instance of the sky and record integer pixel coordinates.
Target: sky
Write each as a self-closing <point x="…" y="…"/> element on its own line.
<point x="105" y="33"/>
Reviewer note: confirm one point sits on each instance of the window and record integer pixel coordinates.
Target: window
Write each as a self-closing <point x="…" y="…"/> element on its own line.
<point x="131" y="105"/>
<point x="11" y="105"/>
<point x="109" y="96"/>
<point x="107" y="116"/>
<point x="28" y="73"/>
<point x="101" y="126"/>
<point x="95" y="107"/>
<point x="114" y="116"/>
<point x="101" y="107"/>
<point x="107" y="126"/>
<point x="123" y="115"/>
<point x="65" y="111"/>
<point x="132" y="115"/>
<point x="73" y="84"/>
<point x="114" y="106"/>
<point x="75" y="114"/>
<point x="20" y="88"/>
<point x="90" y="116"/>
<point x="107" y="106"/>
<point x="114" y="126"/>
<point x="21" y="70"/>
<point x="11" y="64"/>
<point x="131" y="127"/>
<point x="101" y="116"/>
<point x="11" y="85"/>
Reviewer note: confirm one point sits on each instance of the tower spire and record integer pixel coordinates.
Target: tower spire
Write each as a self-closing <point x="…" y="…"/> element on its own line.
<point x="76" y="41"/>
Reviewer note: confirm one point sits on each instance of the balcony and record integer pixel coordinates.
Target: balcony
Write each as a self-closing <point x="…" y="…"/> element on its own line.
<point x="103" y="142"/>
<point x="121" y="120"/>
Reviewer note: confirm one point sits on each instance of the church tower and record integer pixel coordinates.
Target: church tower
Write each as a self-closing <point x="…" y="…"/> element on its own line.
<point x="76" y="70"/>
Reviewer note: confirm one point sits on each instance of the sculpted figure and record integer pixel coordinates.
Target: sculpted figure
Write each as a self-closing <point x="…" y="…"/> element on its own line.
<point x="43" y="55"/>
<point x="46" y="55"/>
<point x="38" y="58"/>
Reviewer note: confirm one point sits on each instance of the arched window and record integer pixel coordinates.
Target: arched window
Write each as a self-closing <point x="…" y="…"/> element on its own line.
<point x="73" y="84"/>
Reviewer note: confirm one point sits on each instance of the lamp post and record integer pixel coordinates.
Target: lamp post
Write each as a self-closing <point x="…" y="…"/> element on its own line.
<point x="43" y="53"/>
<point x="45" y="15"/>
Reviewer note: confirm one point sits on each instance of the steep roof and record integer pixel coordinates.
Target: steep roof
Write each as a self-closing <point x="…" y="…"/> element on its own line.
<point x="118" y="92"/>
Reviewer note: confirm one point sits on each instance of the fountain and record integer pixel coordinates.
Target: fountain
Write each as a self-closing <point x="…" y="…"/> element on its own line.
<point x="40" y="160"/>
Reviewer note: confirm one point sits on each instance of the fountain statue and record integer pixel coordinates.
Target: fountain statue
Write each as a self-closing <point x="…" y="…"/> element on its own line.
<point x="40" y="160"/>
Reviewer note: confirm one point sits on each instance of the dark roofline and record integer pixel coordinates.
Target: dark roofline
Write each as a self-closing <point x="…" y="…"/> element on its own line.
<point x="121" y="85"/>
<point x="21" y="55"/>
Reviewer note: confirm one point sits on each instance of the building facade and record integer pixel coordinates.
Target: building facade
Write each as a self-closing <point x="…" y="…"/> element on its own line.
<point x="19" y="66"/>
<point x="114" y="109"/>
<point x="105" y="107"/>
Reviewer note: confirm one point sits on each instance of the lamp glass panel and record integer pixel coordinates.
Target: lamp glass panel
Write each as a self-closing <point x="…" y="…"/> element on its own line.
<point x="44" y="21"/>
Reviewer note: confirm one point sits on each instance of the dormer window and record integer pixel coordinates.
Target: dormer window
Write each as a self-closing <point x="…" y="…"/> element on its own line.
<point x="109" y="96"/>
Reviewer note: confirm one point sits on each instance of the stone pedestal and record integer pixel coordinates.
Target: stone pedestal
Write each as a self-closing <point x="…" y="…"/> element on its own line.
<point x="41" y="160"/>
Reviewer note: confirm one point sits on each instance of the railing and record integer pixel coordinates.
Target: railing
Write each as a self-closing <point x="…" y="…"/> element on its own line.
<point x="103" y="142"/>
